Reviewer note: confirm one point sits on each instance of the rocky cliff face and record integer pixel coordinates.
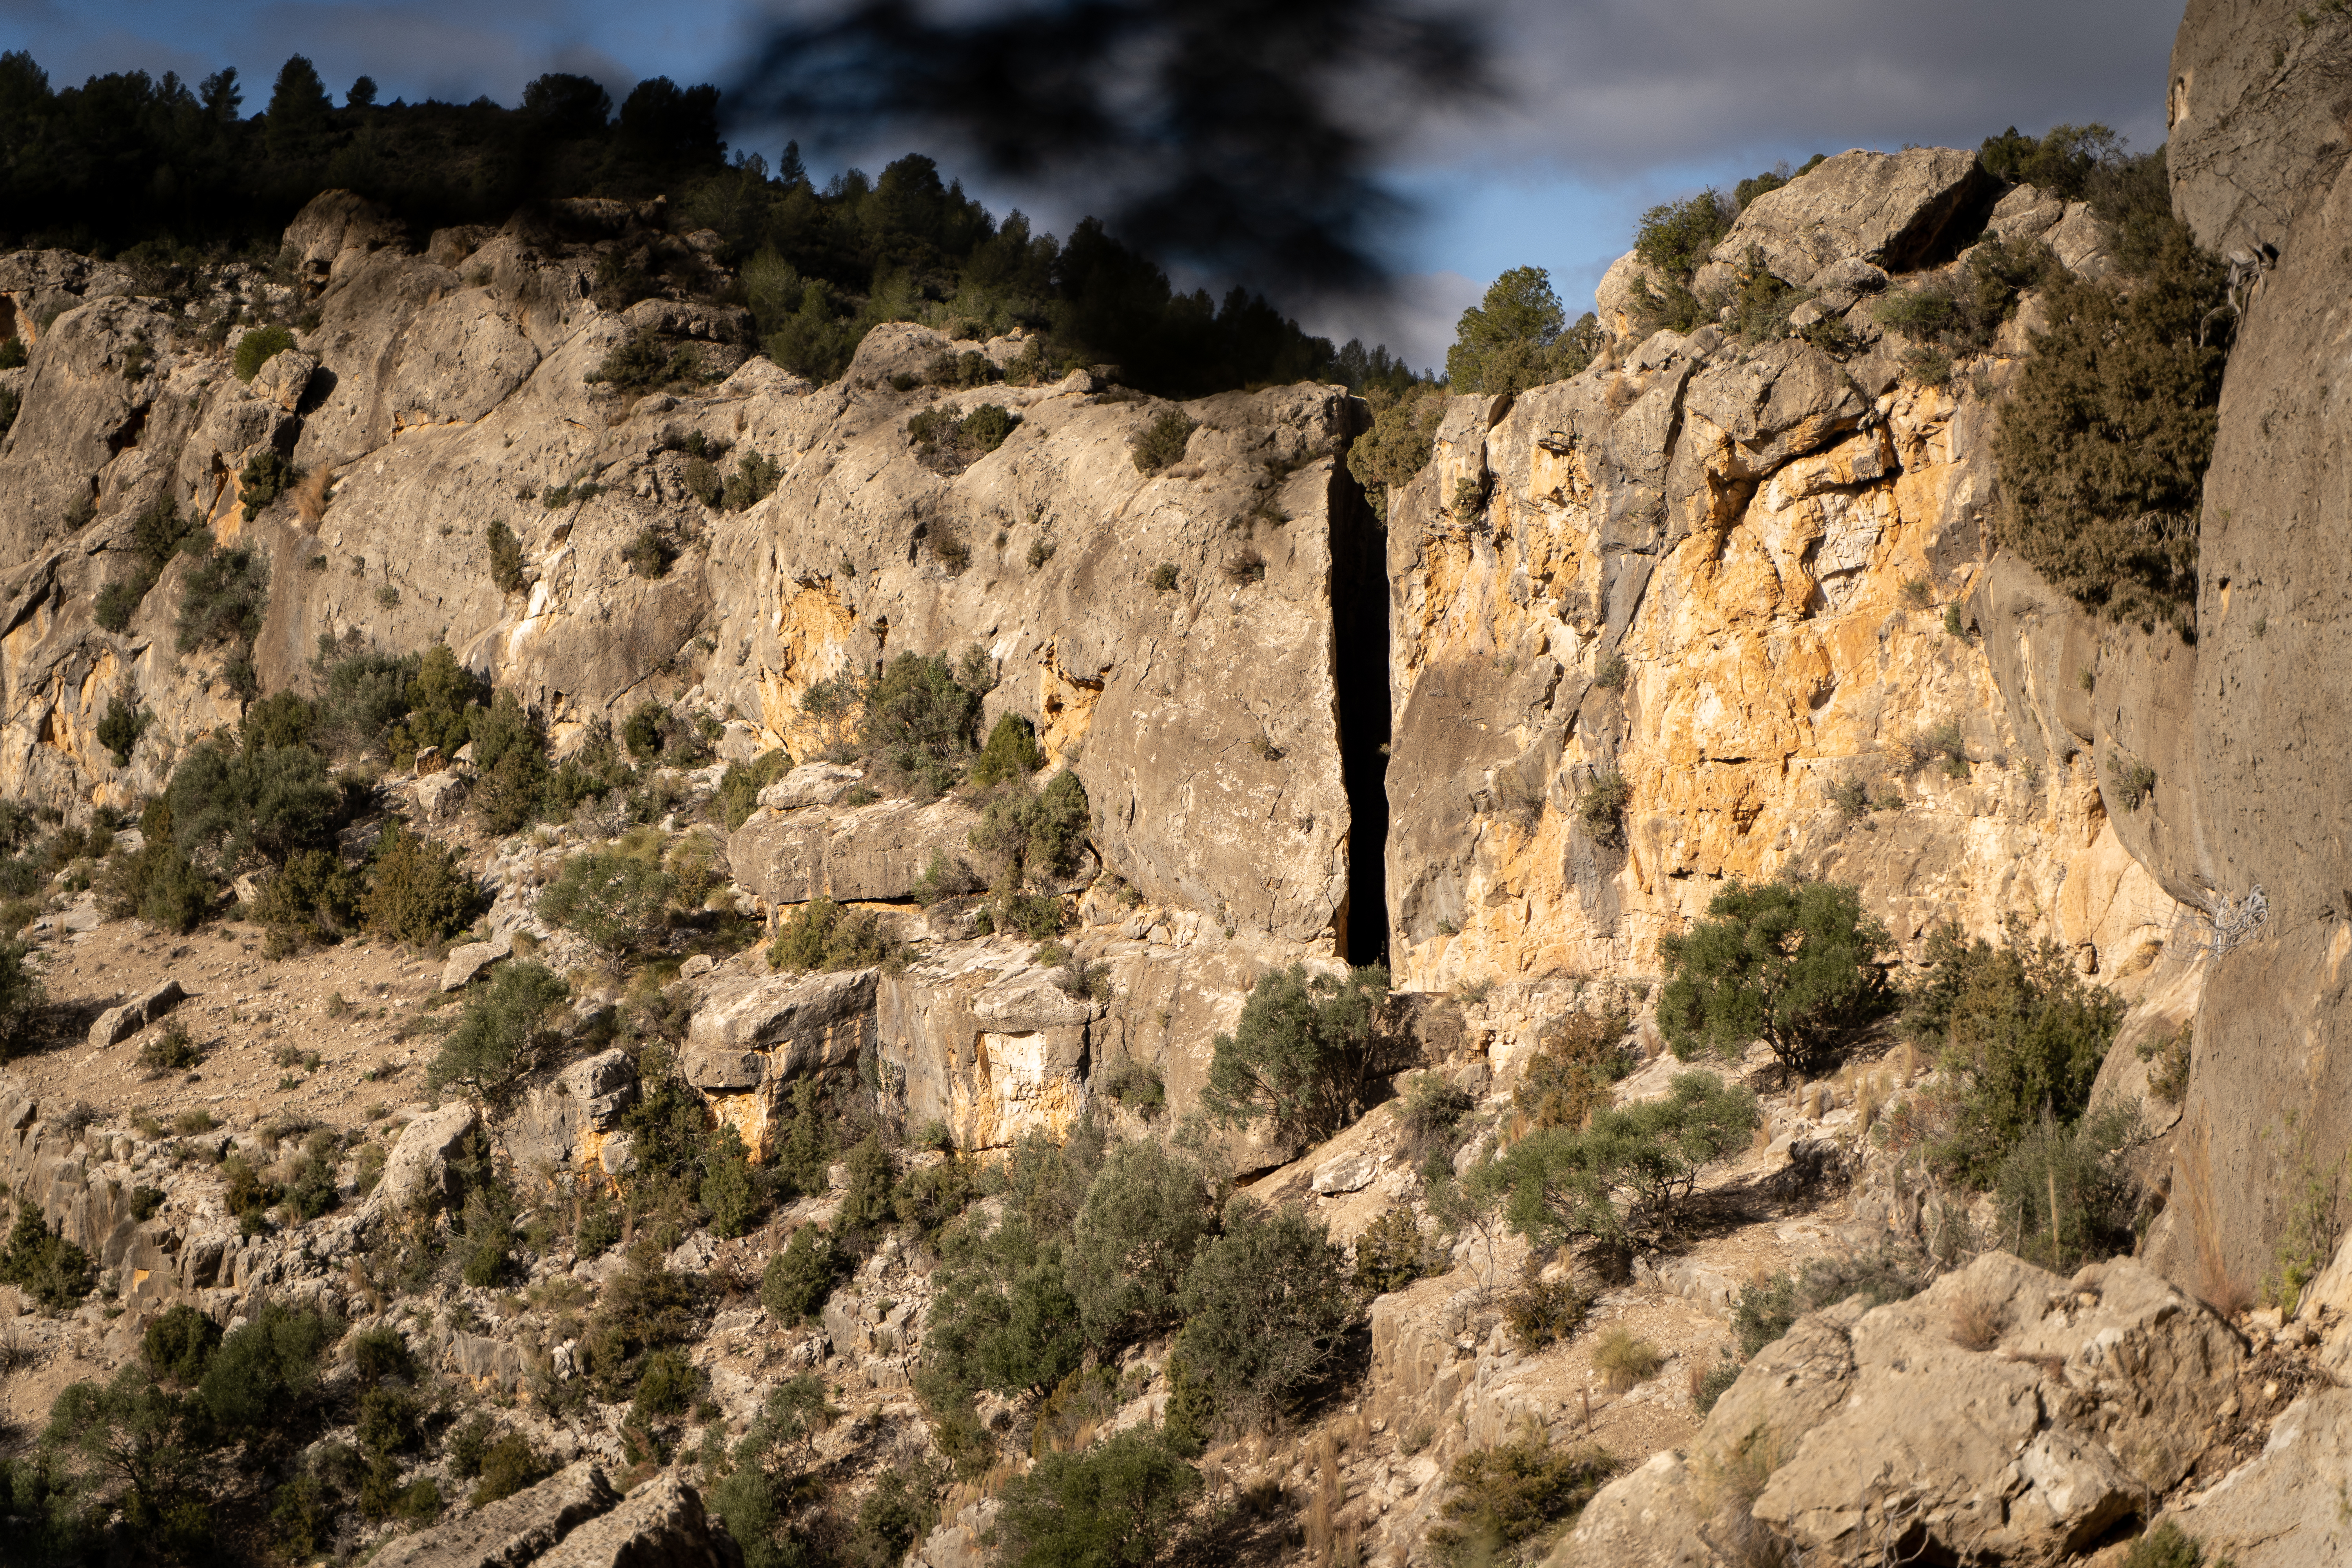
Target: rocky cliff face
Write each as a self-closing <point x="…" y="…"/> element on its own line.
<point x="1713" y="609"/>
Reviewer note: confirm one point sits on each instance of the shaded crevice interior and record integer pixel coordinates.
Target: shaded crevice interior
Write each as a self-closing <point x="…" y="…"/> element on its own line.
<point x="1360" y="641"/>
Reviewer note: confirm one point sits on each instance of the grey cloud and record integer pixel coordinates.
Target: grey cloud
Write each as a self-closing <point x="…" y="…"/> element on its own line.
<point x="1608" y="89"/>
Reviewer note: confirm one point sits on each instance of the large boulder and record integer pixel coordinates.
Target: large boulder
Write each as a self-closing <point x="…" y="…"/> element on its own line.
<point x="512" y="1531"/>
<point x="418" y="1169"/>
<point x="2284" y="1508"/>
<point x="2002" y="1413"/>
<point x="659" y="1525"/>
<point x="1891" y="210"/>
<point x="559" y="1122"/>
<point x="752" y="1035"/>
<point x="878" y="851"/>
<point x="127" y="1017"/>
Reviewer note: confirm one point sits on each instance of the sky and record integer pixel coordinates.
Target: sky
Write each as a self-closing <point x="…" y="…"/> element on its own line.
<point x="1605" y="108"/>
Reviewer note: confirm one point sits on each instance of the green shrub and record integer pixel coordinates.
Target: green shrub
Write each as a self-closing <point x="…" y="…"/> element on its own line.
<point x="617" y="901"/>
<point x="732" y="1191"/>
<point x="1601" y="808"/>
<point x="642" y="363"/>
<point x="2167" y="1546"/>
<point x="2080" y="1169"/>
<point x="224" y="600"/>
<point x="649" y="554"/>
<point x="1163" y="578"/>
<point x="2017" y="1032"/>
<point x="1264" y="1307"/>
<point x="2103" y="444"/>
<point x="266" y="1371"/>
<point x="13" y="353"/>
<point x="52" y="1272"/>
<point x="412" y="703"/>
<point x="1797" y="965"/>
<point x="2168" y="1078"/>
<point x="1516" y="338"/>
<point x="805" y="1147"/>
<point x="420" y="893"/>
<point x="1576" y="1057"/>
<point x="755" y="480"/>
<point x="800" y="1278"/>
<point x="507" y="1467"/>
<point x="2134" y="781"/>
<point x="740" y="785"/>
<point x="158" y="885"/>
<point x="642" y="730"/>
<point x="1501" y="1496"/>
<point x="169" y="1051"/>
<point x="1391" y="1253"/>
<point x="1011" y="752"/>
<point x="510" y="760"/>
<point x="1766" y="1309"/>
<point x="259" y="347"/>
<point x="506" y="556"/>
<point x="124" y="1448"/>
<point x="255" y="802"/>
<point x="822" y="935"/>
<point x="1541" y="1312"/>
<point x="762" y="1496"/>
<point x="1131" y="1242"/>
<point x="1714" y="1384"/>
<point x="1162" y="442"/>
<point x="644" y="1311"/>
<point x="1675" y="239"/>
<point x="1119" y="1501"/>
<point x="179" y="1344"/>
<point x="1566" y="1186"/>
<point x="1306" y="1055"/>
<point x="1002" y="1316"/>
<point x="1140" y="1088"/>
<point x="1398" y="447"/>
<point x="507" y="1027"/>
<point x="120" y="729"/>
<point x="1431" y="1114"/>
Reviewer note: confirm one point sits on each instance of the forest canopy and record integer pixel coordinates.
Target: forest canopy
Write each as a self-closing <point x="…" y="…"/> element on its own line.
<point x="165" y="171"/>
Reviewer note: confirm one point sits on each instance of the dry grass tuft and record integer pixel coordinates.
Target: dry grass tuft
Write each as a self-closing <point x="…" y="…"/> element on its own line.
<point x="1976" y="1323"/>
<point x="1623" y="1360"/>
<point x="311" y="495"/>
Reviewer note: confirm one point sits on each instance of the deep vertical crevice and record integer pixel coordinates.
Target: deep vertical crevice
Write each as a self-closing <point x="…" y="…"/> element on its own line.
<point x="1359" y="643"/>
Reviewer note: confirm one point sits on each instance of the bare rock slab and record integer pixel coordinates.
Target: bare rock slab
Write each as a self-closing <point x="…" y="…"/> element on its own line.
<point x="121" y="1022"/>
<point x="470" y="959"/>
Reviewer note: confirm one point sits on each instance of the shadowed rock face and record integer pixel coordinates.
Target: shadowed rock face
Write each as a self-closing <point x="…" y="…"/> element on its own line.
<point x="2255" y="117"/>
<point x="447" y="390"/>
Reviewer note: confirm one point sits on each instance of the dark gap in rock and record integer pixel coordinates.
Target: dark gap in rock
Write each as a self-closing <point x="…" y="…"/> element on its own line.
<point x="1360" y="641"/>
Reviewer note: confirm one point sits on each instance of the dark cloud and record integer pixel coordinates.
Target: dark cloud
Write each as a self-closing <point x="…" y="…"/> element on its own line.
<point x="1239" y="138"/>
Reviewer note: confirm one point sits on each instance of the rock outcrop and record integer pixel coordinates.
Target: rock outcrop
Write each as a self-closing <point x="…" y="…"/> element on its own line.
<point x="2004" y="1414"/>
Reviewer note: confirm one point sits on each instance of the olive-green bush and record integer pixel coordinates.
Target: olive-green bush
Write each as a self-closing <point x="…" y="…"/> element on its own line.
<point x="822" y="935"/>
<point x="617" y="901"/>
<point x="2018" y="1032"/>
<point x="54" y="1273"/>
<point x="257" y="348"/>
<point x="1307" y="1054"/>
<point x="1131" y="1243"/>
<point x="1625" y="1174"/>
<point x="1501" y="1496"/>
<point x="1119" y="1501"/>
<point x="2103" y="443"/>
<point x="507" y="1027"/>
<point x="420" y="892"/>
<point x="1265" y="1306"/>
<point x="1797" y="965"/>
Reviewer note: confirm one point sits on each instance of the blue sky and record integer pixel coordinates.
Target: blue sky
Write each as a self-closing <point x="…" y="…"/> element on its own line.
<point x="1612" y="105"/>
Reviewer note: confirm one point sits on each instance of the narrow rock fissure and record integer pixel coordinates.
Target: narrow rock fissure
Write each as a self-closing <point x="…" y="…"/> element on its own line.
<point x="1360" y="676"/>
